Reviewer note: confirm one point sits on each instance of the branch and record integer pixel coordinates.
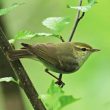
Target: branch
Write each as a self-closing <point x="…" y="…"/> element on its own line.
<point x="25" y="82"/>
<point x="78" y="18"/>
<point x="11" y="91"/>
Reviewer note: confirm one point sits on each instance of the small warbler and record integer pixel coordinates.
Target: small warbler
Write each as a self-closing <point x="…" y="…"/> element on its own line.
<point x="63" y="58"/>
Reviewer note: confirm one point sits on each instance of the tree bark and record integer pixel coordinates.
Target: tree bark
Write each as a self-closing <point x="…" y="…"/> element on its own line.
<point x="11" y="92"/>
<point x="18" y="69"/>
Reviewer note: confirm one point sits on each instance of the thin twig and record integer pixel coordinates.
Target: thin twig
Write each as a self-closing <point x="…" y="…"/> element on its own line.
<point x="81" y="16"/>
<point x="78" y="18"/>
<point x="25" y="81"/>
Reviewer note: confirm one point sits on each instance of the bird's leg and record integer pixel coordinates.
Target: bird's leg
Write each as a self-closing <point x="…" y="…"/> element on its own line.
<point x="61" y="38"/>
<point x="59" y="81"/>
<point x="47" y="71"/>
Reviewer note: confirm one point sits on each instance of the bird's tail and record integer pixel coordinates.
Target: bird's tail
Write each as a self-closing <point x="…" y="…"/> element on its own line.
<point x="16" y="54"/>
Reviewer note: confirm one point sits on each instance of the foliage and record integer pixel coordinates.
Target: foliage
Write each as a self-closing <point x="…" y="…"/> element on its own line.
<point x="84" y="8"/>
<point x="23" y="35"/>
<point x="8" y="79"/>
<point x="7" y="10"/>
<point x="55" y="98"/>
<point x="57" y="24"/>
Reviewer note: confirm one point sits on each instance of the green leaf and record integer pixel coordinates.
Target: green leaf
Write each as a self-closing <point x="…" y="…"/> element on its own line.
<point x="65" y="100"/>
<point x="7" y="10"/>
<point x="81" y="8"/>
<point x="23" y="35"/>
<point x="57" y="24"/>
<point x="92" y="1"/>
<point x="11" y="41"/>
<point x="89" y="1"/>
<point x="8" y="79"/>
<point x="55" y="98"/>
<point x="54" y="89"/>
<point x="84" y="8"/>
<point x="29" y="35"/>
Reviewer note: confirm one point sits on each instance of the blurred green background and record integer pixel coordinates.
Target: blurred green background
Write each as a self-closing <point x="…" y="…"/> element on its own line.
<point x="91" y="82"/>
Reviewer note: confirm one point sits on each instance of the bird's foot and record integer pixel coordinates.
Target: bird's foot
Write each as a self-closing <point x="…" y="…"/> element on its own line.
<point x="60" y="83"/>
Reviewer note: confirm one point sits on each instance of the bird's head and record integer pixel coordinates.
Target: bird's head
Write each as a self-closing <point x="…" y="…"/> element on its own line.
<point x="82" y="51"/>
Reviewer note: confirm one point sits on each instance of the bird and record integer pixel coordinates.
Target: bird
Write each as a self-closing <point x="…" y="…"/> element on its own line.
<point x="62" y="58"/>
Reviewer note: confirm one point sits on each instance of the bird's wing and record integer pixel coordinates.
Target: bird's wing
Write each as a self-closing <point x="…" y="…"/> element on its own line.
<point x="45" y="52"/>
<point x="58" y="57"/>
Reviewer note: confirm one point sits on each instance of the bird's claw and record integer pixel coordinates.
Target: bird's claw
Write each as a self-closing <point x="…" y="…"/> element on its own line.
<point x="60" y="83"/>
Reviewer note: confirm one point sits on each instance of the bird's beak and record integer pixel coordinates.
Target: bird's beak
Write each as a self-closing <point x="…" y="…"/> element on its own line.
<point x="95" y="50"/>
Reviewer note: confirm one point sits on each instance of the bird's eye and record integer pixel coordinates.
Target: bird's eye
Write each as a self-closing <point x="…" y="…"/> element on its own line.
<point x="83" y="49"/>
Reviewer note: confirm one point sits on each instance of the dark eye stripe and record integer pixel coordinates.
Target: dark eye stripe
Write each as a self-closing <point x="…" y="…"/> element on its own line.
<point x="83" y="49"/>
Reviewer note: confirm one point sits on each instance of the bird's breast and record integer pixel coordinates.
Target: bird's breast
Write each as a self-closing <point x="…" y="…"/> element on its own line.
<point x="68" y="67"/>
